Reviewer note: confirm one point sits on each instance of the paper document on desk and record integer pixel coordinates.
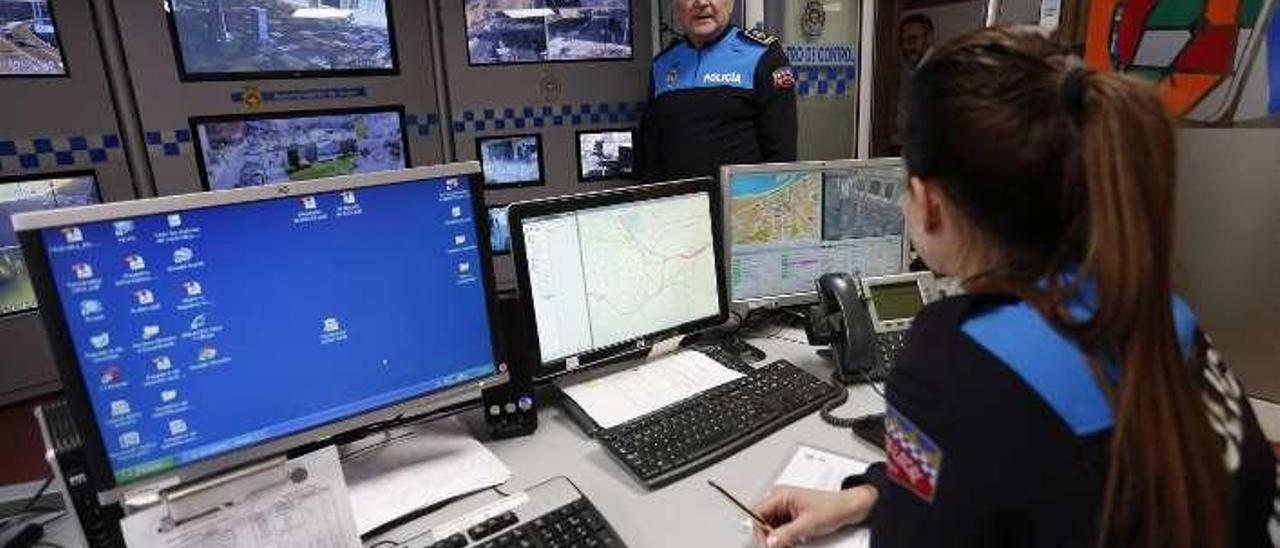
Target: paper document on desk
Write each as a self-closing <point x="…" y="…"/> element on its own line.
<point x="614" y="399"/>
<point x="415" y="467"/>
<point x="813" y="468"/>
<point x="310" y="509"/>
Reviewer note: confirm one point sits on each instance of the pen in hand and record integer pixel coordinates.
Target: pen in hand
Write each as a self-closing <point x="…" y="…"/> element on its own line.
<point x="754" y="516"/>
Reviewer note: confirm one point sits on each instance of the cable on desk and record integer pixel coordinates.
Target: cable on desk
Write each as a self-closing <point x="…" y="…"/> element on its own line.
<point x="827" y="412"/>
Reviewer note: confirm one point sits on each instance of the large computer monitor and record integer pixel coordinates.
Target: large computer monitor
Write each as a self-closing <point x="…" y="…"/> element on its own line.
<point x="198" y="332"/>
<point x="29" y="44"/>
<point x="790" y="223"/>
<point x="33" y="193"/>
<point x="503" y="32"/>
<point x="609" y="273"/>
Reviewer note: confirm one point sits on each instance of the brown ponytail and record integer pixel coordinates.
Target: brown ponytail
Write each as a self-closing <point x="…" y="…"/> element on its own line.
<point x="1072" y="171"/>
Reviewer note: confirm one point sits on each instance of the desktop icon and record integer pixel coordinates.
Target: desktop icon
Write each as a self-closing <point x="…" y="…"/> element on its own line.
<point x="90" y="308"/>
<point x="464" y="267"/>
<point x="198" y="322"/>
<point x="331" y="325"/>
<point x="177" y="426"/>
<point x="135" y="262"/>
<point x="207" y="353"/>
<point x="150" y="331"/>
<point x="73" y="234"/>
<point x="459" y="240"/>
<point x="162" y="363"/>
<point x="451" y="184"/>
<point x="129" y="439"/>
<point x="349" y="197"/>
<point x="175" y="220"/>
<point x="144" y="296"/>
<point x="112" y="375"/>
<point x="119" y="408"/>
<point x="100" y="341"/>
<point x="182" y="255"/>
<point x="167" y="396"/>
<point x="123" y="228"/>
<point x="192" y="288"/>
<point x="308" y="202"/>
<point x="456" y="211"/>
<point x="82" y="270"/>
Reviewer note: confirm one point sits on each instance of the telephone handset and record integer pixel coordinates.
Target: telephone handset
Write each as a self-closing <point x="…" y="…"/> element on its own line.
<point x="841" y="320"/>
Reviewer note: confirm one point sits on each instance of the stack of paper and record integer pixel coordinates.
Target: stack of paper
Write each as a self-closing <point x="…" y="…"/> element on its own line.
<point x="812" y="468"/>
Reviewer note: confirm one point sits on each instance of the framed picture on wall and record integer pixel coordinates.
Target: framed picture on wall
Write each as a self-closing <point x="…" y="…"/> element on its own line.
<point x="504" y="32"/>
<point x="511" y="161"/>
<point x="36" y="192"/>
<point x="259" y="39"/>
<point x="29" y="44"/>
<point x="605" y="154"/>
<point x="252" y="150"/>
<point x="499" y="230"/>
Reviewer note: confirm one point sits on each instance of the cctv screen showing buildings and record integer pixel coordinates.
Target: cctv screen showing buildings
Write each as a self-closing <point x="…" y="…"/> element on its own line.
<point x="234" y="38"/>
<point x="604" y="155"/>
<point x="533" y="31"/>
<point x="511" y="161"/>
<point x="499" y="230"/>
<point x="28" y="40"/>
<point x="16" y="292"/>
<point x="252" y="152"/>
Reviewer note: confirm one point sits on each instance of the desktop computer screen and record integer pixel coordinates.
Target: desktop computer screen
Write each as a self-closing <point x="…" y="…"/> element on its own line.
<point x="790" y="223"/>
<point x="214" y="325"/>
<point x="605" y="271"/>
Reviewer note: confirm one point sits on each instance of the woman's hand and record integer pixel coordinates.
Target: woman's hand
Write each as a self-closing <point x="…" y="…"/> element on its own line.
<point x="797" y="514"/>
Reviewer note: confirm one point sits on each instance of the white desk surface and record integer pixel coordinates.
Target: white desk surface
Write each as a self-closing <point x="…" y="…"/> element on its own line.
<point x="684" y="513"/>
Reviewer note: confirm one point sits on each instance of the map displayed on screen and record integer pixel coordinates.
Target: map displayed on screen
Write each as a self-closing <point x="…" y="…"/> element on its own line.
<point x="532" y="31"/>
<point x="264" y="36"/>
<point x="255" y="152"/>
<point x="16" y="292"/>
<point x="28" y="40"/>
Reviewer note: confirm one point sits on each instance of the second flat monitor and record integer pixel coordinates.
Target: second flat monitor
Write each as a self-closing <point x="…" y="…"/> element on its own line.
<point x="790" y="223"/>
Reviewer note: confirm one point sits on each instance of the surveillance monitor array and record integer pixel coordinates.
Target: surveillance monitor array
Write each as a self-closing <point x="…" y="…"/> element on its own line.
<point x="503" y="32"/>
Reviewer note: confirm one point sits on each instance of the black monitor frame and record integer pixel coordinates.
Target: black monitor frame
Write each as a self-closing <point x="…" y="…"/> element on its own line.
<point x="466" y="36"/>
<point x="196" y="121"/>
<point x="62" y="52"/>
<point x="604" y="356"/>
<point x="98" y="467"/>
<point x="26" y="178"/>
<point x="184" y="76"/>
<point x="542" y="161"/>
<point x="489" y="220"/>
<point x="577" y="147"/>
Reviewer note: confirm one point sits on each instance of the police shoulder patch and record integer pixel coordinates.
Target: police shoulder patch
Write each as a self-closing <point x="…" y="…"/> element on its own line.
<point x="784" y="78"/>
<point x="915" y="461"/>
<point x="759" y="36"/>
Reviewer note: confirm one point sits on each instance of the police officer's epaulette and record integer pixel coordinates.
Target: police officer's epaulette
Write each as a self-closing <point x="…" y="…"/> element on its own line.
<point x="761" y="37"/>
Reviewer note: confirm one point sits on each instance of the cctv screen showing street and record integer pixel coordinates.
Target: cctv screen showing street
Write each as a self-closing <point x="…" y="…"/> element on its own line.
<point x="604" y="155"/>
<point x="534" y="31"/>
<point x="235" y="38"/>
<point x="258" y="151"/>
<point x="28" y="40"/>
<point x="511" y="161"/>
<point x="18" y="196"/>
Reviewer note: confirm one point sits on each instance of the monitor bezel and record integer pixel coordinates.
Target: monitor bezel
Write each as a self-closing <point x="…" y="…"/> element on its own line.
<point x="41" y="176"/>
<point x="577" y="148"/>
<point x="471" y="63"/>
<point x="101" y="476"/>
<point x="810" y="296"/>
<point x="187" y="77"/>
<point x="198" y="148"/>
<point x="66" y="65"/>
<point x="542" y="161"/>
<point x="596" y="358"/>
<point x="488" y="209"/>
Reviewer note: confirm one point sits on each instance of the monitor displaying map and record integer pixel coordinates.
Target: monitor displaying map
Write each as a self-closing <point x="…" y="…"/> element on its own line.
<point x="29" y="43"/>
<point x="791" y="223"/>
<point x="535" y="31"/>
<point x="36" y="193"/>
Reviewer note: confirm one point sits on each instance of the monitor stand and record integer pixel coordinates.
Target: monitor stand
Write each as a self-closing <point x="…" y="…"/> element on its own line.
<point x="731" y="343"/>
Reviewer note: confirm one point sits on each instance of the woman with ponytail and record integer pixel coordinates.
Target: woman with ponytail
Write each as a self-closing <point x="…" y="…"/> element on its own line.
<point x="1069" y="398"/>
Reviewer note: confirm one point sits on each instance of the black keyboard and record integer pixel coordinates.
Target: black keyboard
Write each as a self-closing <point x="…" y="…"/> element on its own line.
<point x="680" y="439"/>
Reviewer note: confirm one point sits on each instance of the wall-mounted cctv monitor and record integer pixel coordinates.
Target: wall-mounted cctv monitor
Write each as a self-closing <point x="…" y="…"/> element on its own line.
<point x="253" y="150"/>
<point x="501" y="32"/>
<point x="511" y="160"/>
<point x="191" y="341"/>
<point x="33" y="193"/>
<point x="605" y="154"/>
<point x="29" y="44"/>
<point x="256" y="39"/>
<point x="790" y="223"/>
<point x="499" y="230"/>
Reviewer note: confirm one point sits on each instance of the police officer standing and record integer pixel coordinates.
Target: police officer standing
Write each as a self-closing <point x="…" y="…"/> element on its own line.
<point x="720" y="96"/>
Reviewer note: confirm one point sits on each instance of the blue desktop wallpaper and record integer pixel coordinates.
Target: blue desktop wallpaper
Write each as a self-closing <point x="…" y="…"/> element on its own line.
<point x="225" y="327"/>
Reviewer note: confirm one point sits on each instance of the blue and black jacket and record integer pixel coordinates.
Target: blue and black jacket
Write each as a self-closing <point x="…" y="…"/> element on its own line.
<point x="731" y="101"/>
<point x="997" y="433"/>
